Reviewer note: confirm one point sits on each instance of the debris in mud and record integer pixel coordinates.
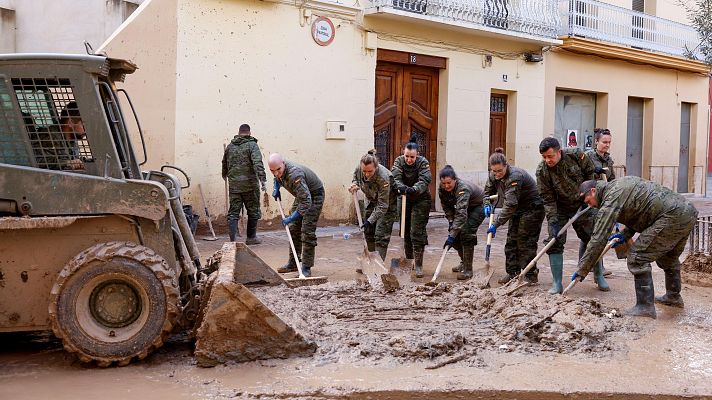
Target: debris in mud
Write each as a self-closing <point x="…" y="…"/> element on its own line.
<point x="696" y="270"/>
<point x="447" y="324"/>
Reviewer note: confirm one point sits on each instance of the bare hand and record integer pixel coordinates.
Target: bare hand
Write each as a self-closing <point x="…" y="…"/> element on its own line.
<point x="353" y="188"/>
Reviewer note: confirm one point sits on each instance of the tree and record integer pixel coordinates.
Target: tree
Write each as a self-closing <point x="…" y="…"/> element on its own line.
<point x="700" y="15"/>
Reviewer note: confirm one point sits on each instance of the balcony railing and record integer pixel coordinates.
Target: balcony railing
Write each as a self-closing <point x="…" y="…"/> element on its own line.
<point x="532" y="17"/>
<point x="600" y="21"/>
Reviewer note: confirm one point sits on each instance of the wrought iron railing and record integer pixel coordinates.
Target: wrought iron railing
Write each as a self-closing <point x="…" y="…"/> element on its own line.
<point x="701" y="236"/>
<point x="533" y="17"/>
<point x="600" y="21"/>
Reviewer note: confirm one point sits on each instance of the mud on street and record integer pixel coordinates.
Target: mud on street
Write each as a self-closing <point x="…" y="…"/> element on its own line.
<point x="450" y="341"/>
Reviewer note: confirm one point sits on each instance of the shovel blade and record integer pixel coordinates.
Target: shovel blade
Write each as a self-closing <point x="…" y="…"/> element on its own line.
<point x="482" y="276"/>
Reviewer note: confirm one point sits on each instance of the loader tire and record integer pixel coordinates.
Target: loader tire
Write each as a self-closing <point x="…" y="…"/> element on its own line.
<point x="114" y="302"/>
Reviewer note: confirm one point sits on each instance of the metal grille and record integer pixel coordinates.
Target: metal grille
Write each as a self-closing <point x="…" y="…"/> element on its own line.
<point x="13" y="145"/>
<point x="53" y="123"/>
<point x="383" y="140"/>
<point x="701" y="236"/>
<point x="497" y="13"/>
<point x="421" y="139"/>
<point x="498" y="104"/>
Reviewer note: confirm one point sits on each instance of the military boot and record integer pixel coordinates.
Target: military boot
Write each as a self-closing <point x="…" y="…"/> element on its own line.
<point x="252" y="232"/>
<point x="382" y="252"/>
<point x="598" y="273"/>
<point x="644" y="296"/>
<point x="458" y="267"/>
<point x="556" y="261"/>
<point x="466" y="272"/>
<point x="290" y="266"/>
<point x="232" y="228"/>
<point x="672" y="290"/>
<point x="418" y="257"/>
<point x="307" y="260"/>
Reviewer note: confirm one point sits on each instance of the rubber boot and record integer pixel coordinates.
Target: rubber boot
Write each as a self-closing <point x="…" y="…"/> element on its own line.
<point x="644" y="296"/>
<point x="382" y="252"/>
<point x="408" y="249"/>
<point x="418" y="257"/>
<point x="232" y="228"/>
<point x="556" y="261"/>
<point x="458" y="267"/>
<point x="291" y="265"/>
<point x="598" y="272"/>
<point x="252" y="232"/>
<point x="672" y="290"/>
<point x="467" y="255"/>
<point x="307" y="260"/>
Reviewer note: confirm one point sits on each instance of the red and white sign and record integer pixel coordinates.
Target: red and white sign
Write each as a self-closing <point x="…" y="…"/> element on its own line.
<point x="323" y="31"/>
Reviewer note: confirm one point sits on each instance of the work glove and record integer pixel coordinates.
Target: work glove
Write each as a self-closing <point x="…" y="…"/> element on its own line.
<point x="367" y="225"/>
<point x="488" y="210"/>
<point x="275" y="191"/>
<point x="620" y="237"/>
<point x="295" y="215"/>
<point x="492" y="229"/>
<point x="449" y="242"/>
<point x="263" y="186"/>
<point x="555" y="229"/>
<point x="599" y="170"/>
<point x="578" y="276"/>
<point x="409" y="190"/>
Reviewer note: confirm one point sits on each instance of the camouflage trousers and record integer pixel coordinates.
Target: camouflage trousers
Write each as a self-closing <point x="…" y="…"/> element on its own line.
<point x="303" y="230"/>
<point x="583" y="227"/>
<point x="380" y="233"/>
<point x="468" y="234"/>
<point x="663" y="241"/>
<point x="417" y="213"/>
<point x="522" y="236"/>
<point x="250" y="200"/>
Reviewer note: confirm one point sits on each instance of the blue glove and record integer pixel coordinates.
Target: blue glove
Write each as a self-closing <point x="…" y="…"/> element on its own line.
<point x="449" y="242"/>
<point x="492" y="229"/>
<point x="402" y="189"/>
<point x="620" y="237"/>
<point x="488" y="210"/>
<point x="576" y="275"/>
<point x="599" y="170"/>
<point x="275" y="191"/>
<point x="366" y="225"/>
<point x="409" y="190"/>
<point x="295" y="215"/>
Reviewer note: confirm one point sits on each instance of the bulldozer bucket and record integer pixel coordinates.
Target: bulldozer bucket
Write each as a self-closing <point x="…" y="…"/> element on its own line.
<point x="234" y="325"/>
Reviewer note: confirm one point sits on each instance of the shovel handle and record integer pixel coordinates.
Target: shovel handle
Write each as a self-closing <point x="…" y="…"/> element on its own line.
<point x="402" y="221"/>
<point x="291" y="242"/>
<point x="489" y="236"/>
<point x="207" y="214"/>
<point x="605" y="250"/>
<point x="360" y="223"/>
<point x="440" y="264"/>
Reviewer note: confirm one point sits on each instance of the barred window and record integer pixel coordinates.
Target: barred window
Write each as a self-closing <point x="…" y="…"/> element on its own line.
<point x="13" y="145"/>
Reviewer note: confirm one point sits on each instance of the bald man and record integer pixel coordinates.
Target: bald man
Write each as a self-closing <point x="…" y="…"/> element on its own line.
<point x="308" y="192"/>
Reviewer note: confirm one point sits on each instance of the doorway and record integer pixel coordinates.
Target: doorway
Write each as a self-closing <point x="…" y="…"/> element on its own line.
<point x="498" y="122"/>
<point x="634" y="142"/>
<point x="684" y="164"/>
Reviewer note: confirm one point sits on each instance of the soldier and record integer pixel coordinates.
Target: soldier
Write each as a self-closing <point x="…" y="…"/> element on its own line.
<point x="61" y="147"/>
<point x="522" y="207"/>
<point x="462" y="203"/>
<point x="664" y="220"/>
<point x="411" y="175"/>
<point x="308" y="192"/>
<point x="558" y="176"/>
<point x="600" y="156"/>
<point x="376" y="182"/>
<point x="242" y="167"/>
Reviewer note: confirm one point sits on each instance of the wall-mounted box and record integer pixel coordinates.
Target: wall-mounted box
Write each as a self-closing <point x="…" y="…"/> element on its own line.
<point x="336" y="129"/>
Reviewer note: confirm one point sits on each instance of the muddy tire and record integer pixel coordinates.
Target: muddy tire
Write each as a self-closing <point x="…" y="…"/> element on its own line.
<point x="114" y="302"/>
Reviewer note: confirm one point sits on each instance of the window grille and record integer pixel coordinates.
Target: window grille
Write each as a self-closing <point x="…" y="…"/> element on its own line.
<point x="13" y="146"/>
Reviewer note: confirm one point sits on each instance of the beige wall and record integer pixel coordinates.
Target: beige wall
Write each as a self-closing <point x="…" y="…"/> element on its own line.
<point x="663" y="90"/>
<point x="7" y="30"/>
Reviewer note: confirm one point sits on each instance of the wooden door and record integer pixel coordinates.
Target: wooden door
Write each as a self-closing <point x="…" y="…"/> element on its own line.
<point x="498" y="122"/>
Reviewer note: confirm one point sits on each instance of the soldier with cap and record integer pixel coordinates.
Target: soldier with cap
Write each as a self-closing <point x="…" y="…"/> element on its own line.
<point x="243" y="168"/>
<point x="559" y="175"/>
<point x="664" y="220"/>
<point x="412" y="177"/>
<point x="308" y="192"/>
<point x="376" y="183"/>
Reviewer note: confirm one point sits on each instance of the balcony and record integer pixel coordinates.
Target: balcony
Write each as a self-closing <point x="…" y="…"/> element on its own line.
<point x="535" y="20"/>
<point x="603" y="22"/>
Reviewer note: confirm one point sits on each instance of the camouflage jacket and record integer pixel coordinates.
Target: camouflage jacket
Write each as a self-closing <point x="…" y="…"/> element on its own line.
<point x="605" y="161"/>
<point x="559" y="184"/>
<point x="457" y="203"/>
<point x="300" y="182"/>
<point x="242" y="164"/>
<point x="634" y="202"/>
<point x="417" y="176"/>
<point x="516" y="191"/>
<point x="378" y="189"/>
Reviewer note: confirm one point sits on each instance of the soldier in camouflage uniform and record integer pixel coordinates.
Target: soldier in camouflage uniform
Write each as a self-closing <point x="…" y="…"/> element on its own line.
<point x="522" y="208"/>
<point x="376" y="182"/>
<point x="57" y="147"/>
<point x="462" y="203"/>
<point x="559" y="176"/>
<point x="242" y="167"/>
<point x="664" y="220"/>
<point x="602" y="159"/>
<point x="308" y="192"/>
<point x="411" y="176"/>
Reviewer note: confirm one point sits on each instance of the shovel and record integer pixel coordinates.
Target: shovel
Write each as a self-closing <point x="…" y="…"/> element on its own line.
<point x="438" y="268"/>
<point x="483" y="282"/>
<point x="531" y="264"/>
<point x="302" y="280"/>
<point x="390" y="282"/>
<point x="605" y="250"/>
<point x="402" y="266"/>
<point x="207" y="216"/>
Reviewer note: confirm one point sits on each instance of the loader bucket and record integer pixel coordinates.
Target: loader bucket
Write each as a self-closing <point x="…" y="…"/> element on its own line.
<point x="233" y="324"/>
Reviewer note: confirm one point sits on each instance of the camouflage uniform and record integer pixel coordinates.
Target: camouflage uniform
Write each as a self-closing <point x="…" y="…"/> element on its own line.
<point x="308" y="192"/>
<point x="463" y="209"/>
<point x="418" y="204"/>
<point x="605" y="161"/>
<point x="381" y="209"/>
<point x="523" y="208"/>
<point x="243" y="168"/>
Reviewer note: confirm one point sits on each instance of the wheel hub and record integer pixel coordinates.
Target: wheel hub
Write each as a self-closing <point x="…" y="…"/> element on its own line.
<point x="115" y="304"/>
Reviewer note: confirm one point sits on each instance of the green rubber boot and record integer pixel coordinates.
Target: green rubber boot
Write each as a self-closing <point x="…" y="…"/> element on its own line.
<point x="598" y="272"/>
<point x="672" y="290"/>
<point x="418" y="257"/>
<point x="644" y="296"/>
<point x="556" y="261"/>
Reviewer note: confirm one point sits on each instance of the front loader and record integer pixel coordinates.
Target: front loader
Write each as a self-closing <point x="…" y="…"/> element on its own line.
<point x="96" y="249"/>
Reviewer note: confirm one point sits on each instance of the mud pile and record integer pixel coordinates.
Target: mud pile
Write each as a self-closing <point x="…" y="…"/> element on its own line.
<point x="449" y="323"/>
<point x="697" y="270"/>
